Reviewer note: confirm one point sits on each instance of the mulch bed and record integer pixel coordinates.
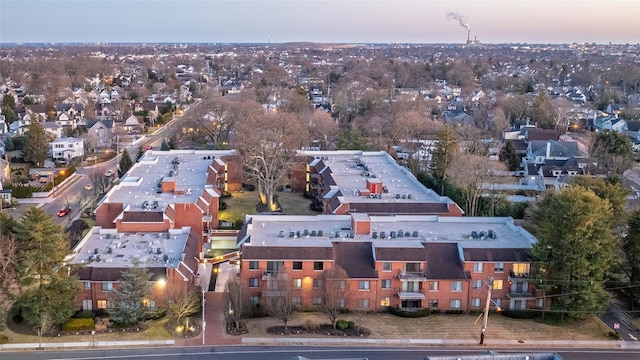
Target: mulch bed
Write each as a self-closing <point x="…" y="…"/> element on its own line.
<point x="26" y="329"/>
<point x="318" y="330"/>
<point x="172" y="327"/>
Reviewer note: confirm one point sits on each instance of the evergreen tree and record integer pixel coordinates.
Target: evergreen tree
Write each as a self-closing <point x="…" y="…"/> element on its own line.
<point x="41" y="247"/>
<point x="53" y="302"/>
<point x="37" y="145"/>
<point x="509" y="156"/>
<point x="614" y="152"/>
<point x="631" y="258"/>
<point x="127" y="301"/>
<point x="576" y="249"/>
<point x="140" y="153"/>
<point x="445" y="151"/>
<point x="125" y="163"/>
<point x="165" y="146"/>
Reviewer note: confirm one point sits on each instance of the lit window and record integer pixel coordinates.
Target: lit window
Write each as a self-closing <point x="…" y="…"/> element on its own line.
<point x="521" y="269"/>
<point x="497" y="284"/>
<point x="297" y="283"/>
<point x="363" y="285"/>
<point x="434" y="286"/>
<point x="456" y="286"/>
<point x="455" y="304"/>
<point x="385" y="301"/>
<point x="477" y="267"/>
<point x="253" y="282"/>
<point x="386" y="284"/>
<point x="102" y="304"/>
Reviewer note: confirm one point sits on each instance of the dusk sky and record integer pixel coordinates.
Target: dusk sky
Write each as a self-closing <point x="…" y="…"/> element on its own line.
<point x="337" y="21"/>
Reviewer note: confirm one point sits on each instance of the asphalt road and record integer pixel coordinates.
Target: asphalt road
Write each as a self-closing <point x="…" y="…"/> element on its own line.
<point x="613" y="315"/>
<point x="285" y="353"/>
<point x="70" y="194"/>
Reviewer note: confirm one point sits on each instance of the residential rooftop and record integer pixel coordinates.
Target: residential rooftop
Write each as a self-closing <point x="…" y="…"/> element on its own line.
<point x="107" y="248"/>
<point x="141" y="188"/>
<point x="352" y="169"/>
<point x="385" y="231"/>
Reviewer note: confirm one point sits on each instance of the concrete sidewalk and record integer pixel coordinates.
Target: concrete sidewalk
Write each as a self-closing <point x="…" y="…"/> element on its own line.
<point x="85" y="344"/>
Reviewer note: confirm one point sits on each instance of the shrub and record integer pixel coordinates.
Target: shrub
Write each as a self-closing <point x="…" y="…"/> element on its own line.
<point x="454" y="312"/>
<point x="225" y="195"/>
<point x="520" y="314"/>
<point x="412" y="314"/>
<point x="4" y="339"/>
<point x="342" y="324"/>
<point x="155" y="314"/>
<point x="351" y="324"/>
<point x="222" y="206"/>
<point x="310" y="325"/>
<point x="84" y="314"/>
<point x="75" y="324"/>
<point x="101" y="313"/>
<point x="248" y="187"/>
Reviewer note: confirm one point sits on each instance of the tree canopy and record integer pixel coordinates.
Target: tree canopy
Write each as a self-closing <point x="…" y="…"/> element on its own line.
<point x="36" y="149"/>
<point x="125" y="163"/>
<point x="575" y="250"/>
<point x="127" y="301"/>
<point x="614" y="152"/>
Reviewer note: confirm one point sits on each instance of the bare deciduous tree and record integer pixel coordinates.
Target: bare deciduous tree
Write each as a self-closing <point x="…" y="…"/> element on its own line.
<point x="333" y="293"/>
<point x="8" y="280"/>
<point x="473" y="174"/>
<point x="239" y="303"/>
<point x="277" y="299"/>
<point x="184" y="301"/>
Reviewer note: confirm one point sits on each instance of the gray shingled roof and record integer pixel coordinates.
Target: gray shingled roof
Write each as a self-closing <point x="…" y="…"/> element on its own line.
<point x="443" y="262"/>
<point x="356" y="258"/>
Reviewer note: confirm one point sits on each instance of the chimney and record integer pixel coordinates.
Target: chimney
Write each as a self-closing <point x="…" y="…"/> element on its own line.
<point x="548" y="149"/>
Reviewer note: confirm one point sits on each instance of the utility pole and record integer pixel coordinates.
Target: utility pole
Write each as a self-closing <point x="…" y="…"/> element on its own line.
<point x="485" y="320"/>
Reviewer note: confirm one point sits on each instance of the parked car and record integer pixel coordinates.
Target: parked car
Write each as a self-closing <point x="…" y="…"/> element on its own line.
<point x="149" y="147"/>
<point x="62" y="212"/>
<point x="108" y="173"/>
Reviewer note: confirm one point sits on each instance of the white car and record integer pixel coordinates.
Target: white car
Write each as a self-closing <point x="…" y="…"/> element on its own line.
<point x="108" y="173"/>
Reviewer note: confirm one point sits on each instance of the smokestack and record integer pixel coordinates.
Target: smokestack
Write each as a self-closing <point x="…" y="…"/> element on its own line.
<point x="468" y="36"/>
<point x="462" y="21"/>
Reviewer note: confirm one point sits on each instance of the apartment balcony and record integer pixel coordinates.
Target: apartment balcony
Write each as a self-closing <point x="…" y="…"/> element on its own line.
<point x="514" y="275"/>
<point x="274" y="275"/>
<point x="273" y="293"/>
<point x="207" y="218"/>
<point x="412" y="275"/>
<point x="521" y="295"/>
<point x="411" y="295"/>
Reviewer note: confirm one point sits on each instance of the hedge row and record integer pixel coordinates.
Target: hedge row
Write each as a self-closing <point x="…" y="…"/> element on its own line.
<point x="75" y="324"/>
<point x="413" y="314"/>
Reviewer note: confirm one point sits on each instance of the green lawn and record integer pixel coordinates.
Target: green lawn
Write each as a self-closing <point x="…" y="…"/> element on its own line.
<point x="243" y="203"/>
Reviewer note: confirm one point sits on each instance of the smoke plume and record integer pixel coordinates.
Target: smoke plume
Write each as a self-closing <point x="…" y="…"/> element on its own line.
<point x="460" y="18"/>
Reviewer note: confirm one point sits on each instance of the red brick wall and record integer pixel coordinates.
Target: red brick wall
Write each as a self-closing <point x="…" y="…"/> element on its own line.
<point x="142" y="227"/>
<point x="106" y="214"/>
<point x="190" y="215"/>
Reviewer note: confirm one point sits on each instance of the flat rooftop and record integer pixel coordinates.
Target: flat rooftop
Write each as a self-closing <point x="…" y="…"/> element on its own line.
<point x="322" y="230"/>
<point x="139" y="188"/>
<point x="352" y="169"/>
<point x="106" y="248"/>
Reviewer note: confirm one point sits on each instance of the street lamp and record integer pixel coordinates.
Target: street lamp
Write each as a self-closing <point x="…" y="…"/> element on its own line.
<point x="204" y="323"/>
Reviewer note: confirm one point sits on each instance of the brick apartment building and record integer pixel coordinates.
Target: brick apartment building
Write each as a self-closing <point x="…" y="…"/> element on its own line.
<point x="372" y="182"/>
<point x="159" y="215"/>
<point x="404" y="261"/>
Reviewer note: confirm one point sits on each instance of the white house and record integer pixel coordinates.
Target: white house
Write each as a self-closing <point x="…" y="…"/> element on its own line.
<point x="66" y="148"/>
<point x="52" y="128"/>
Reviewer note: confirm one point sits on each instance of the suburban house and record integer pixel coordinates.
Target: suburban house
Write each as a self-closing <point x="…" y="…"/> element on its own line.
<point x="100" y="132"/>
<point x="66" y="148"/>
<point x="161" y="216"/>
<point x="52" y="128"/>
<point x="403" y="261"/>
